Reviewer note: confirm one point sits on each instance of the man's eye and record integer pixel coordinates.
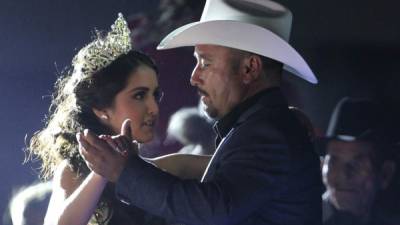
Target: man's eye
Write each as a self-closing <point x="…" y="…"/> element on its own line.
<point x="355" y="166"/>
<point x="204" y="64"/>
<point x="139" y="95"/>
<point x="332" y="160"/>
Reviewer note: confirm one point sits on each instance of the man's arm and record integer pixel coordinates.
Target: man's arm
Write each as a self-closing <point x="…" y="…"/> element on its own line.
<point x="186" y="166"/>
<point x="241" y="186"/>
<point x="247" y="177"/>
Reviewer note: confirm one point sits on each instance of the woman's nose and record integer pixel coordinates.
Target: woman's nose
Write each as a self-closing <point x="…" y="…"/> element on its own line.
<point x="152" y="107"/>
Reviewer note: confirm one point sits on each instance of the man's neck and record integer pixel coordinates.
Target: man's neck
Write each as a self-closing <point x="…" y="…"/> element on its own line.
<point x="256" y="88"/>
<point x="248" y="91"/>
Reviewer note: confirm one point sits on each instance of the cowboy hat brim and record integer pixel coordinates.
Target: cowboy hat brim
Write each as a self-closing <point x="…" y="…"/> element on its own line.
<point x="242" y="36"/>
<point x="321" y="143"/>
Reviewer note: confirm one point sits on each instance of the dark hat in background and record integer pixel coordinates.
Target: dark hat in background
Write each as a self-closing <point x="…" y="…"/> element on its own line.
<point x="355" y="119"/>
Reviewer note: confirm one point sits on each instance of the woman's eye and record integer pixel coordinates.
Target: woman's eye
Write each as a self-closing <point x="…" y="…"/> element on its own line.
<point x="158" y="95"/>
<point x="139" y="95"/>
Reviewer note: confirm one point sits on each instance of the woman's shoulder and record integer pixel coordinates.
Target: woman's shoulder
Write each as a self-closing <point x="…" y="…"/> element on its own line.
<point x="65" y="178"/>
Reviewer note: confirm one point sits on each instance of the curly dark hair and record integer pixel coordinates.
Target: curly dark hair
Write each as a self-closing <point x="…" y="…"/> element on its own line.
<point x="71" y="111"/>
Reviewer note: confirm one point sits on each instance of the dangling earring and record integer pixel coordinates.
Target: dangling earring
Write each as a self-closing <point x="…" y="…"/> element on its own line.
<point x="104" y="117"/>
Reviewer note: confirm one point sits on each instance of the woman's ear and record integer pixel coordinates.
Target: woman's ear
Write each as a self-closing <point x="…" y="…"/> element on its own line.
<point x="101" y="114"/>
<point x="251" y="68"/>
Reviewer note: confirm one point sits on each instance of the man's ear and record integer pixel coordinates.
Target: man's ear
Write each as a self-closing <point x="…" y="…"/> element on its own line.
<point x="101" y="114"/>
<point x="387" y="171"/>
<point x="251" y="68"/>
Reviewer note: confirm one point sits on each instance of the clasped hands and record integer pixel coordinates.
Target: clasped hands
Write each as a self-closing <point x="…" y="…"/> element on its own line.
<point x="107" y="155"/>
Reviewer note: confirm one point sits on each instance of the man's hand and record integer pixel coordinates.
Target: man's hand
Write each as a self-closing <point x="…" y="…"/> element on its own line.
<point x="106" y="155"/>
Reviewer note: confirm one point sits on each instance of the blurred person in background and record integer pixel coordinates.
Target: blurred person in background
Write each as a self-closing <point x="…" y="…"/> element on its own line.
<point x="28" y="205"/>
<point x="192" y="130"/>
<point x="359" y="163"/>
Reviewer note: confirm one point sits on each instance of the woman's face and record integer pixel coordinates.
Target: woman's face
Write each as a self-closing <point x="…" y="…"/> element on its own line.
<point x="138" y="101"/>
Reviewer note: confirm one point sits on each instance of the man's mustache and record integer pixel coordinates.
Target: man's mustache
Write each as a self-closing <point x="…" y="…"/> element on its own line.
<point x="201" y="92"/>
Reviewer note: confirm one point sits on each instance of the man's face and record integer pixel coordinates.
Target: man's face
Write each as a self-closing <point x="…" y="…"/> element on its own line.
<point x="349" y="175"/>
<point x="218" y="83"/>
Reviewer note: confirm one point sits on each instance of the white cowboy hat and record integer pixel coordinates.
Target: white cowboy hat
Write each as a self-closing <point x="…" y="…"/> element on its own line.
<point x="257" y="26"/>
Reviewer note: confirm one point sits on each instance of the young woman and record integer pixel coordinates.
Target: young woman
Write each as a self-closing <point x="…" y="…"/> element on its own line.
<point x="108" y="83"/>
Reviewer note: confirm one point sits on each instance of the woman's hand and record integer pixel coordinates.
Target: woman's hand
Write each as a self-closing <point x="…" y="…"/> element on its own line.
<point x="122" y="143"/>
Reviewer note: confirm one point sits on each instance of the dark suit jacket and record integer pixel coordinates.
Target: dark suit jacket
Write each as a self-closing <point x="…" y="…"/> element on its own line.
<point x="263" y="172"/>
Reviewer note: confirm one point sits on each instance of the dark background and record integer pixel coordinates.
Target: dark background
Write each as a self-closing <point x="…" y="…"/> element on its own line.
<point x="352" y="46"/>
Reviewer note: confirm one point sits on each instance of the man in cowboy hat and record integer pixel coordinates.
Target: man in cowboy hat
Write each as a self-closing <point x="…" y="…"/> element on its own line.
<point x="265" y="170"/>
<point x="358" y="164"/>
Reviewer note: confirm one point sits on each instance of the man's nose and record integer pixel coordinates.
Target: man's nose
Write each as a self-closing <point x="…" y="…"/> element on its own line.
<point x="195" y="79"/>
<point x="342" y="175"/>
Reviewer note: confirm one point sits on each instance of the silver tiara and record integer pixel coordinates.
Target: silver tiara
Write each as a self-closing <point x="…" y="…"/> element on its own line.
<point x="102" y="51"/>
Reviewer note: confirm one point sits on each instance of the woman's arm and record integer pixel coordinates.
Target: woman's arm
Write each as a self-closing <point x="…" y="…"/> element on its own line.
<point x="185" y="166"/>
<point x="73" y="201"/>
